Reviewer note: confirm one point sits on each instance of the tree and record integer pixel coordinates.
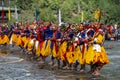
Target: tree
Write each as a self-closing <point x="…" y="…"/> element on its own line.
<point x="70" y="9"/>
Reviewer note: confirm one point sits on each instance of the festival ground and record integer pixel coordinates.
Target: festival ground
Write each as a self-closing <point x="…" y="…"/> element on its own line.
<point x="15" y="65"/>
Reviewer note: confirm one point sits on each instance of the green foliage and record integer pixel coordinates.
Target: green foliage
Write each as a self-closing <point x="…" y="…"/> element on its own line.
<point x="70" y="10"/>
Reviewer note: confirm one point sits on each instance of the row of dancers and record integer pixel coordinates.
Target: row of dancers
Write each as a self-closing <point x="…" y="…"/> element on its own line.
<point x="74" y="45"/>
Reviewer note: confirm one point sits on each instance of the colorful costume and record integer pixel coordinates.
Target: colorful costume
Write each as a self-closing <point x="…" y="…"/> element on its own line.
<point x="96" y="52"/>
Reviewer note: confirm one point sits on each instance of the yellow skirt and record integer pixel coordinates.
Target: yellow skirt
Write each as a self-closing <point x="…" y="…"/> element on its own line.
<point x="93" y="56"/>
<point x="18" y="40"/>
<point x="4" y="39"/>
<point x="46" y="51"/>
<point x="43" y="48"/>
<point x="26" y="41"/>
<point x="77" y="55"/>
<point x="70" y="58"/>
<point x="83" y="54"/>
<point x="70" y="54"/>
<point x="30" y="44"/>
<point x="54" y="52"/>
<point x="23" y="39"/>
<point x="0" y="39"/>
<point x="62" y="51"/>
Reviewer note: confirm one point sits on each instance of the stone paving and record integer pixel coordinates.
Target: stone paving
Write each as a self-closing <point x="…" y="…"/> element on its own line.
<point x="17" y="66"/>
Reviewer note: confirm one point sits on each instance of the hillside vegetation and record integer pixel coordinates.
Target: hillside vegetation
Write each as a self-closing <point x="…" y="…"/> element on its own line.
<point x="70" y="10"/>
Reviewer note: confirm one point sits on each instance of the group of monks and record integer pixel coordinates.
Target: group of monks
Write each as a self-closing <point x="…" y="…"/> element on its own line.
<point x="73" y="44"/>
